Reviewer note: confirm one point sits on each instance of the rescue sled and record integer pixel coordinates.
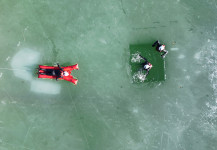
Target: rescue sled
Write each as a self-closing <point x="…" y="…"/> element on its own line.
<point x="55" y="72"/>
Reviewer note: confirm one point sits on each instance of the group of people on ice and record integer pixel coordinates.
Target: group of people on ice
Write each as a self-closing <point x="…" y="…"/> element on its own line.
<point x="160" y="48"/>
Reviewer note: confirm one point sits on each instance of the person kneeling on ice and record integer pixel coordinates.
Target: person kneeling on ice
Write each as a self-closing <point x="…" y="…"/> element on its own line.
<point x="146" y="65"/>
<point x="160" y="48"/>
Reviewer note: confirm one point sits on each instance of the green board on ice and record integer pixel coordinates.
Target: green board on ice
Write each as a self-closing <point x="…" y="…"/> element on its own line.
<point x="157" y="73"/>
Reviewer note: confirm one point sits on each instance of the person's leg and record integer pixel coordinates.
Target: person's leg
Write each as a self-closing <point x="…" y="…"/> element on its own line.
<point x="143" y="58"/>
<point x="155" y="43"/>
<point x="145" y="63"/>
<point x="165" y="53"/>
<point x="142" y="65"/>
<point x="49" y="72"/>
<point x="146" y="73"/>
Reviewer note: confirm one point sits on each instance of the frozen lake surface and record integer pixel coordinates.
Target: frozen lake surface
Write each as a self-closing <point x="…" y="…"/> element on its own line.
<point x="106" y="111"/>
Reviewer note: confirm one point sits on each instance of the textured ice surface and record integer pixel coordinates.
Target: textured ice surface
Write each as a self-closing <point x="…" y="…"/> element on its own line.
<point x="208" y="59"/>
<point x="106" y="111"/>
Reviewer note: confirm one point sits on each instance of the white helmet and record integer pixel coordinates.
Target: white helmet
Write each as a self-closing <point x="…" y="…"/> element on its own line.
<point x="65" y="73"/>
<point x="162" y="47"/>
<point x="146" y="66"/>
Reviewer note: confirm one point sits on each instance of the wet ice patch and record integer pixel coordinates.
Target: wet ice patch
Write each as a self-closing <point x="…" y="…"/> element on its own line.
<point x="22" y="63"/>
<point x="46" y="87"/>
<point x="136" y="58"/>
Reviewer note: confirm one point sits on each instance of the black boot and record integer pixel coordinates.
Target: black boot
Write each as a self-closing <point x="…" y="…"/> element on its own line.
<point x="157" y="42"/>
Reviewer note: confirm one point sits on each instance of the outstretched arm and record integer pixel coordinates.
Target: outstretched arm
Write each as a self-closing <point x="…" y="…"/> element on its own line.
<point x="165" y="53"/>
<point x="59" y="67"/>
<point x="143" y="58"/>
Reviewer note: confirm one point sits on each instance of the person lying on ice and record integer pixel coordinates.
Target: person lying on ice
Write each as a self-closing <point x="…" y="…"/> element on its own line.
<point x="57" y="72"/>
<point x="52" y="72"/>
<point x="160" y="48"/>
<point x="146" y="65"/>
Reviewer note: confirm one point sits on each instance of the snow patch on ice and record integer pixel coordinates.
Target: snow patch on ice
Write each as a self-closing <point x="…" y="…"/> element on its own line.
<point x="23" y="65"/>
<point x="197" y="72"/>
<point x="174" y="49"/>
<point x="8" y="58"/>
<point x="46" y="87"/>
<point x="3" y="102"/>
<point x="135" y="110"/>
<point x="23" y="62"/>
<point x="18" y="44"/>
<point x="197" y="55"/>
<point x="103" y="41"/>
<point x="1" y="74"/>
<point x="188" y="77"/>
<point x="181" y="56"/>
